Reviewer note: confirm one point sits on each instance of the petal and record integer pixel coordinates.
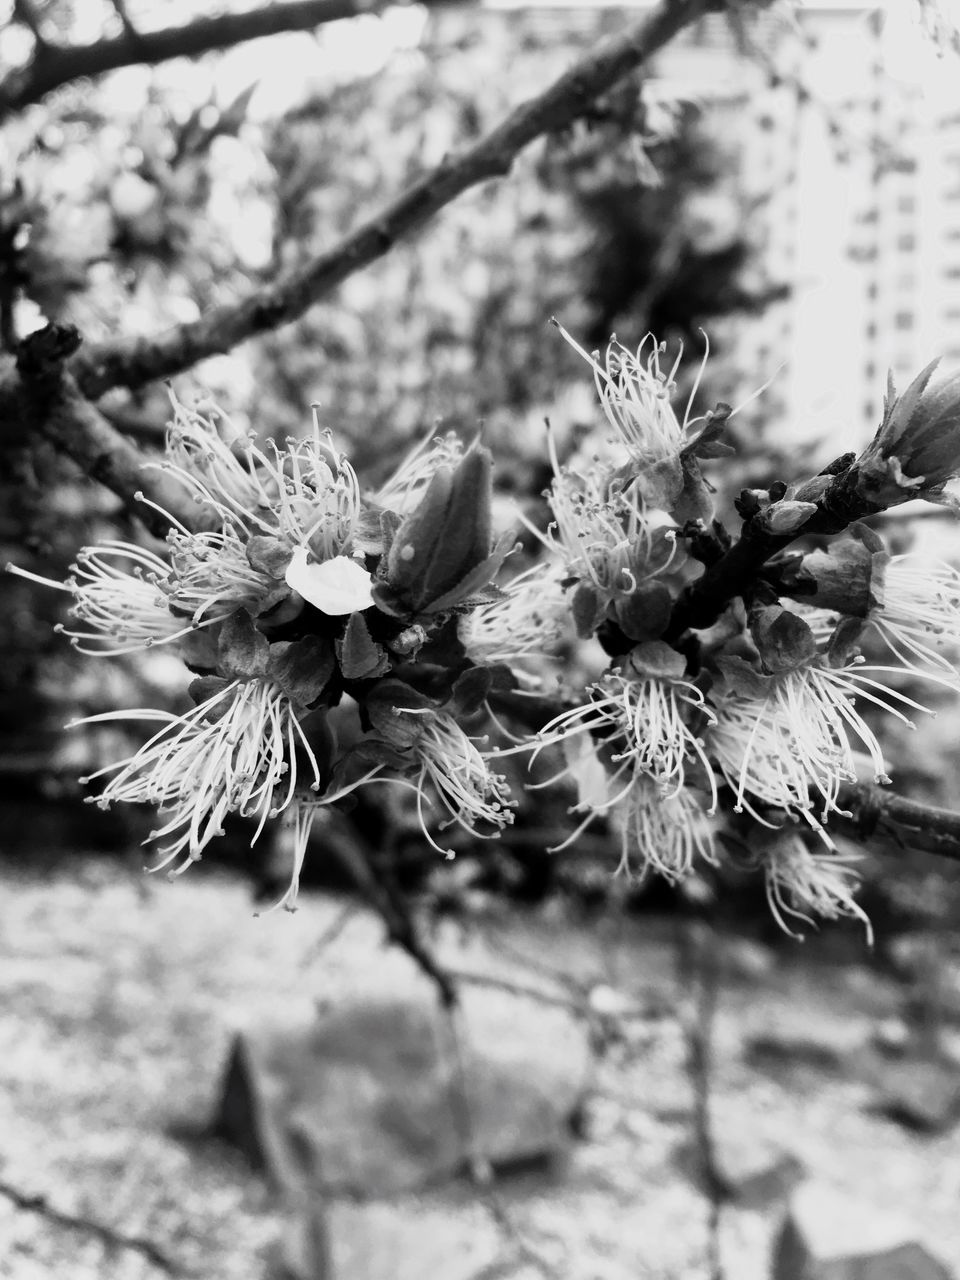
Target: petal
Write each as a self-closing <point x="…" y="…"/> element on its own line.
<point x="335" y="587"/>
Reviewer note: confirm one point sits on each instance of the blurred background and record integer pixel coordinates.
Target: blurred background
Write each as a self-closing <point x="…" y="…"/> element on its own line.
<point x="783" y="183"/>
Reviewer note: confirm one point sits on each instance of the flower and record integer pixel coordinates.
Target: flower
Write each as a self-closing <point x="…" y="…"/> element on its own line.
<point x="777" y="737"/>
<point x="635" y="395"/>
<point x="525" y="621"/>
<point x="607" y="536"/>
<point x="921" y="603"/>
<point x="801" y="882"/>
<point x="119" y="596"/>
<point x="235" y="752"/>
<point x="459" y="772"/>
<point x="670" y="833"/>
<point x="643" y="717"/>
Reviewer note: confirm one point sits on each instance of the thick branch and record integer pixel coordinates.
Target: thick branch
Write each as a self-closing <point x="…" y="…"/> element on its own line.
<point x="57" y="65"/>
<point x="880" y="815"/>
<point x="735" y="573"/>
<point x="38" y="398"/>
<point x="132" y="362"/>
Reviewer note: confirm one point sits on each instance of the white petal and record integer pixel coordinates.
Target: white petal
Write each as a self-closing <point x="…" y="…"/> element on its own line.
<point x="335" y="586"/>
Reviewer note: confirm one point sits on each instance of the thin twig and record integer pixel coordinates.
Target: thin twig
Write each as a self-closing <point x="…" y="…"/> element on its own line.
<point x="697" y="967"/>
<point x="107" y="1236"/>
<point x="60" y="64"/>
<point x="133" y="361"/>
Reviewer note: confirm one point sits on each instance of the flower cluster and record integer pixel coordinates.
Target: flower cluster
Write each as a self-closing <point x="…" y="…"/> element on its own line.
<point x="749" y="716"/>
<point x="290" y="591"/>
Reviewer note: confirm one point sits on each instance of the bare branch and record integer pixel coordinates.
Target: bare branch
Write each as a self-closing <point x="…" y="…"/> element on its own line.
<point x="56" y="65"/>
<point x="878" y="815"/>
<point x="38" y="397"/>
<point x="109" y="1238"/>
<point x="132" y="362"/>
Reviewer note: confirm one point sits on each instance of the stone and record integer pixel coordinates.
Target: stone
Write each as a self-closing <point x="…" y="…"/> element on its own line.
<point x="386" y="1241"/>
<point x="806" y="1039"/>
<point x="922" y="1096"/>
<point x="367" y="1099"/>
<point x="828" y="1236"/>
<point x="750" y="1171"/>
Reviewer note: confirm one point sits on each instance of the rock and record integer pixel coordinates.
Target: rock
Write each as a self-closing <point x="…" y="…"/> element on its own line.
<point x="386" y="1241"/>
<point x="922" y="1096"/>
<point x="744" y="960"/>
<point x="750" y="1171"/>
<point x="368" y="1096"/>
<point x="805" y="1039"/>
<point x="827" y="1236"/>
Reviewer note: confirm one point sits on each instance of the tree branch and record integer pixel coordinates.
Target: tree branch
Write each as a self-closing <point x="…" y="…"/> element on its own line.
<point x="56" y="65"/>
<point x="133" y="362"/>
<point x="878" y="814"/>
<point x="38" y="397"/>
<point x="110" y="1239"/>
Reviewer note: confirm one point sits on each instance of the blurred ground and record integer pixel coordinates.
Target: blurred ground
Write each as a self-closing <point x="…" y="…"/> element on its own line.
<point x="118" y="998"/>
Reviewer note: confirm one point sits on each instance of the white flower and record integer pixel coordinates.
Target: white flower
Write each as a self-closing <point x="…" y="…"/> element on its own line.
<point x="921" y="607"/>
<point x="668" y="833"/>
<point x="635" y="394"/>
<point x="336" y="586"/>
<point x="644" y="719"/>
<point x="210" y="576"/>
<point x="468" y="788"/>
<point x="606" y="536"/>
<point x="775" y="747"/>
<point x="305" y="494"/>
<point x="118" y="596"/>
<point x="800" y="882"/>
<point x="526" y="621"/>
<point x="237" y="752"/>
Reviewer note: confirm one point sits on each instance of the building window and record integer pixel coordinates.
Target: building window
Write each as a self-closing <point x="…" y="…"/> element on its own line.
<point x="906" y="204"/>
<point x="903" y="320"/>
<point x="907" y="243"/>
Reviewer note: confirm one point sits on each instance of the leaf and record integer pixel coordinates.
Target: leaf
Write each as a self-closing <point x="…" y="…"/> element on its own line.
<point x="268" y="555"/>
<point x="470" y="690"/>
<point x="243" y="650"/>
<point x="361" y="658"/>
<point x="302" y="668"/>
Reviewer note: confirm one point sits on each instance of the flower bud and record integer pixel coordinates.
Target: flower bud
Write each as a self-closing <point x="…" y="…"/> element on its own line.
<point x="440" y="554"/>
<point x="848" y="577"/>
<point x="917" y="447"/>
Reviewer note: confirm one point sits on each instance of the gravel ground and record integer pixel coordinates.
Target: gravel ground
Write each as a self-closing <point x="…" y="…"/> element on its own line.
<point x="119" y="996"/>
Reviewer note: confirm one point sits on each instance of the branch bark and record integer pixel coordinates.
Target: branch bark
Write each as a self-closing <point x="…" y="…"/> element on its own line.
<point x="56" y="65"/>
<point x="132" y="362"/>
<point x="876" y="814"/>
<point x="39" y="398"/>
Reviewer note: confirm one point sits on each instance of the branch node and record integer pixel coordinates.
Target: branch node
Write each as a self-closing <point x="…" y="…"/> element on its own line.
<point x="41" y="354"/>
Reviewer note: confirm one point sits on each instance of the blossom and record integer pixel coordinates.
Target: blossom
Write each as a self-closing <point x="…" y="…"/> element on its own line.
<point x="210" y="576"/>
<point x="921" y="604"/>
<point x="669" y="833"/>
<point x="643" y="716"/>
<point x="778" y="737"/>
<point x="635" y="394"/>
<point x="525" y="621"/>
<point x="458" y="771"/>
<point x="238" y="751"/>
<point x="119" y="597"/>
<point x="801" y="883"/>
<point x="607" y="535"/>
